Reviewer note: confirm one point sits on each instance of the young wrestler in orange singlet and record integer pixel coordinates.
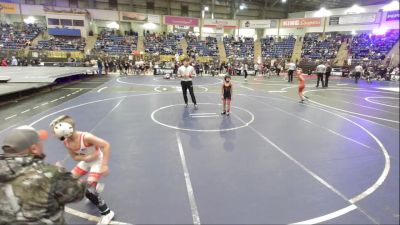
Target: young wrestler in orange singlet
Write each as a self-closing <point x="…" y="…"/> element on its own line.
<point x="302" y="85"/>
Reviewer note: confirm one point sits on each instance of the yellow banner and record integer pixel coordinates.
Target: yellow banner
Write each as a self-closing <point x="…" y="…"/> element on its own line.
<point x="166" y="58"/>
<point x="57" y="54"/>
<point x="77" y="55"/>
<point x="203" y="59"/>
<point x="10" y="8"/>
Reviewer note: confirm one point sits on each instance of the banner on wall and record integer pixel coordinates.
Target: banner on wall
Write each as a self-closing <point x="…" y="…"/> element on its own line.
<point x="366" y="18"/>
<point x="220" y="23"/>
<point x="258" y="23"/>
<point x="141" y="17"/>
<point x="334" y="20"/>
<point x="8" y="8"/>
<point x="392" y="15"/>
<point x="182" y="21"/>
<point x="301" y="22"/>
<point x="62" y="10"/>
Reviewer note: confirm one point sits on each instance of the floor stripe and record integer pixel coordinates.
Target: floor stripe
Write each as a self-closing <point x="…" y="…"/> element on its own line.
<point x="7" y="118"/>
<point x="205" y="116"/>
<point x="201" y="114"/>
<point x="54" y="100"/>
<point x="329" y="216"/>
<point x="45" y="103"/>
<point x="25" y="111"/>
<point x="88" y="216"/>
<point x="36" y="107"/>
<point x="251" y="89"/>
<point x="98" y="91"/>
<point x="189" y="188"/>
<point x="277" y="91"/>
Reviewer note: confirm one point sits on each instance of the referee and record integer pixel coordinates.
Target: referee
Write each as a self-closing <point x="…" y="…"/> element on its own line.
<point x="186" y="72"/>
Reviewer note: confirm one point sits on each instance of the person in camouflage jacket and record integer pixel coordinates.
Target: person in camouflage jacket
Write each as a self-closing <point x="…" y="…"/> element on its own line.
<point x="31" y="191"/>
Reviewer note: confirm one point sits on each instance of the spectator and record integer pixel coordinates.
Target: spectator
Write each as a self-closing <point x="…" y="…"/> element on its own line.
<point x="39" y="191"/>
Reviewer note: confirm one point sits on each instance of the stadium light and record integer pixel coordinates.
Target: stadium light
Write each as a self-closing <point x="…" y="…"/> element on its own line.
<point x="30" y="20"/>
<point x="206" y="8"/>
<point x="393" y="6"/>
<point x="322" y="13"/>
<point x="242" y="6"/>
<point x="379" y="31"/>
<point x="113" y="25"/>
<point x="149" y="26"/>
<point x="355" y="9"/>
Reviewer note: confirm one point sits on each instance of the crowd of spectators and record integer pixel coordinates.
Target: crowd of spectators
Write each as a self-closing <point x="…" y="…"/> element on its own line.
<point x="196" y="47"/>
<point x="111" y="42"/>
<point x="13" y="38"/>
<point x="316" y="48"/>
<point x="242" y="47"/>
<point x="163" y="44"/>
<point x="277" y="47"/>
<point x="373" y="47"/>
<point x="61" y="44"/>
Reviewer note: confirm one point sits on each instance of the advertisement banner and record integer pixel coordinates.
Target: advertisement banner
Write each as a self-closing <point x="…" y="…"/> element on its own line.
<point x="62" y="10"/>
<point x="153" y="18"/>
<point x="258" y="23"/>
<point x="8" y="8"/>
<point x="140" y="17"/>
<point x="392" y="15"/>
<point x="182" y="21"/>
<point x="220" y="23"/>
<point x="301" y="22"/>
<point x="366" y="18"/>
<point x="334" y="20"/>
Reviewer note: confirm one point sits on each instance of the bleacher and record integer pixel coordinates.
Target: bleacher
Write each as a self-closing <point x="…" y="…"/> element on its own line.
<point x="241" y="48"/>
<point x="163" y="44"/>
<point x="314" y="48"/>
<point x="202" y="48"/>
<point x="373" y="47"/>
<point x="61" y="44"/>
<point x="277" y="47"/>
<point x="112" y="43"/>
<point x="13" y="38"/>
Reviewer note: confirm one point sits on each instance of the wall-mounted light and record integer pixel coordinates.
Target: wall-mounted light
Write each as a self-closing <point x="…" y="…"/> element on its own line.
<point x="113" y="25"/>
<point x="30" y="20"/>
<point x="149" y="26"/>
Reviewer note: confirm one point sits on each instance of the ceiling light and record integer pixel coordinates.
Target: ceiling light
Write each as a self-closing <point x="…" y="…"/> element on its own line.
<point x="322" y="13"/>
<point x="393" y="6"/>
<point x="283" y="1"/>
<point x="355" y="9"/>
<point x="242" y="6"/>
<point x="206" y="8"/>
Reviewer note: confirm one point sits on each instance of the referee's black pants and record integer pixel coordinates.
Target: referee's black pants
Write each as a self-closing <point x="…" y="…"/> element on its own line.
<point x="185" y="86"/>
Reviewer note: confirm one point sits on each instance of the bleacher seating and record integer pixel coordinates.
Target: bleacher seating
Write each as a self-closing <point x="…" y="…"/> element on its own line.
<point x="242" y="47"/>
<point x="315" y="48"/>
<point x="13" y="38"/>
<point x="373" y="47"/>
<point x="277" y="47"/>
<point x="202" y="48"/>
<point x="110" y="42"/>
<point x="61" y="44"/>
<point x="163" y="44"/>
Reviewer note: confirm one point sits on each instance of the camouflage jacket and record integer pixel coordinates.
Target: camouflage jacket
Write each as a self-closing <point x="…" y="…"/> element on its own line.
<point x="32" y="192"/>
